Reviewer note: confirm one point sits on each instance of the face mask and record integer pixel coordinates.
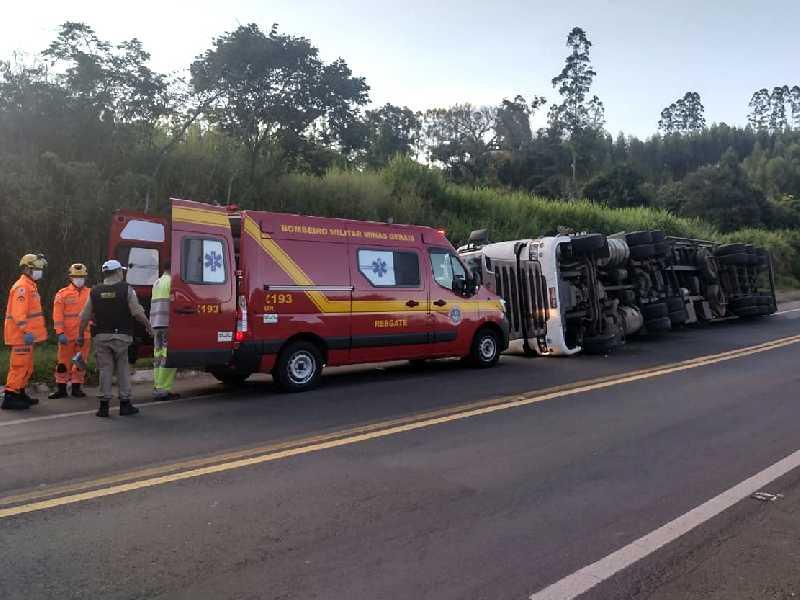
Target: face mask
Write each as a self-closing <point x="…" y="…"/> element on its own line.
<point x="37" y="274"/>
<point x="78" y="282"/>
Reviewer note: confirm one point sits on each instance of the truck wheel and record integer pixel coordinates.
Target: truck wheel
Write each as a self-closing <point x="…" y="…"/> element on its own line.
<point x="590" y="243"/>
<point x="660" y="249"/>
<point x="726" y="249"/>
<point x="678" y="317"/>
<point x="658" y="325"/>
<point x="485" y="350"/>
<point x="674" y="303"/>
<point x="658" y="236"/>
<point x="299" y="367"/>
<point x="599" y="344"/>
<point x="655" y="310"/>
<point x="643" y="251"/>
<point x="637" y="238"/>
<point x="230" y="376"/>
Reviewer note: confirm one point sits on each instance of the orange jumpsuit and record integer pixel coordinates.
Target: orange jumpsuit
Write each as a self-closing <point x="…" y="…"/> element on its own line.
<point x="67" y="307"/>
<point x="23" y="315"/>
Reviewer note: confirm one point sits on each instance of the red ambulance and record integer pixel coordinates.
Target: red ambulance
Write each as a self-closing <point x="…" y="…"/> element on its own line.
<point x="288" y="294"/>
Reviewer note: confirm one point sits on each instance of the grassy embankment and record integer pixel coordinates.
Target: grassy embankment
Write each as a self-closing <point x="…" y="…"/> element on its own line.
<point x="410" y="193"/>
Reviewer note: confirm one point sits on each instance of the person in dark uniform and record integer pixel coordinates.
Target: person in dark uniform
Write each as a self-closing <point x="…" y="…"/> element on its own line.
<point x="112" y="307"/>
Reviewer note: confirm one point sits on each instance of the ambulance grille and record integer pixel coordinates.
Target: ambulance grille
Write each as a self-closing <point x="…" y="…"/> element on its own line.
<point x="530" y="302"/>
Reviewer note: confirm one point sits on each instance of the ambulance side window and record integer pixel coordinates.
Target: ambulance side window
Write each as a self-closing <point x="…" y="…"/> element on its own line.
<point x="389" y="268"/>
<point x="203" y="261"/>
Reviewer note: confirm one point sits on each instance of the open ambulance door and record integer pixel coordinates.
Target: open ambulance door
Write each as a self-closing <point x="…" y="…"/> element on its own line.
<point x="203" y="300"/>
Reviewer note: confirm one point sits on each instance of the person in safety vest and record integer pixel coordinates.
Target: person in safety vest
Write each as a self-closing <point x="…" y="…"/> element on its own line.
<point x="67" y="307"/>
<point x="112" y="307"/>
<point x="163" y="378"/>
<point x="24" y="327"/>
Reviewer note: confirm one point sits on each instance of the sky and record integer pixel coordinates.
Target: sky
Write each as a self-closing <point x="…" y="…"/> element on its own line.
<point x="435" y="53"/>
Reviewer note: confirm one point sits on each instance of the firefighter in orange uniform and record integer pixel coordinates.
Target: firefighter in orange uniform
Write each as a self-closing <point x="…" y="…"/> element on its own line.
<point x="67" y="307"/>
<point x="24" y="327"/>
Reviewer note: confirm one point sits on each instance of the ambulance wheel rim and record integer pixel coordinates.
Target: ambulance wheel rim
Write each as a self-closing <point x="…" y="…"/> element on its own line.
<point x="302" y="367"/>
<point x="487" y="348"/>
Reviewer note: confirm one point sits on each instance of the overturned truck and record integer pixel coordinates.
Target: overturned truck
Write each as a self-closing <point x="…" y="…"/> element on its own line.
<point x="568" y="293"/>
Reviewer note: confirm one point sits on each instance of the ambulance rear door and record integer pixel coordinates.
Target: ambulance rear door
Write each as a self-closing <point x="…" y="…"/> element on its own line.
<point x="203" y="300"/>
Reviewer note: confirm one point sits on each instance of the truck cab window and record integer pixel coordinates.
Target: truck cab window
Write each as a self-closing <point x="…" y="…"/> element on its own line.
<point x="388" y="268"/>
<point x="203" y="261"/>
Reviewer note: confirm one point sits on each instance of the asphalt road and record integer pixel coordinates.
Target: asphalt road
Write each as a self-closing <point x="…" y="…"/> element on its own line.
<point x="380" y="484"/>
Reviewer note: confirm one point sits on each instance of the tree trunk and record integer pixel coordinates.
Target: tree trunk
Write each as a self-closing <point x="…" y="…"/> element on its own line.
<point x="574" y="193"/>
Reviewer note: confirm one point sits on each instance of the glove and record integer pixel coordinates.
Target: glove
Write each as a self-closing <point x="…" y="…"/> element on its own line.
<point x="79" y="342"/>
<point x="28" y="339"/>
<point x="62" y="339"/>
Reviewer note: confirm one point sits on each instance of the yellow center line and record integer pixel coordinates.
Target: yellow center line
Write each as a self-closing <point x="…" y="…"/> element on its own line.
<point x="236" y="460"/>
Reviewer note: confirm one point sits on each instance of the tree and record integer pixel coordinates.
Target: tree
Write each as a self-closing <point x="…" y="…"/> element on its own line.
<point x="576" y="115"/>
<point x="760" y="110"/>
<point x="274" y="89"/>
<point x="620" y="187"/>
<point x="390" y="131"/>
<point x="461" y="138"/>
<point x="777" y="113"/>
<point x="685" y="115"/>
<point x="513" y="122"/>
<point x="794" y="100"/>
<point x="723" y="195"/>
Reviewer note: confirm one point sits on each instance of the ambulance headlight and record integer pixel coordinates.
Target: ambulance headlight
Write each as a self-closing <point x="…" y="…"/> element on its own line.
<point x="504" y="306"/>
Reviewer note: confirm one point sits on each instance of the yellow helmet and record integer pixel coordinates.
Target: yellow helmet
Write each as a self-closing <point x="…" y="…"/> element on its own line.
<point x="78" y="270"/>
<point x="33" y="261"/>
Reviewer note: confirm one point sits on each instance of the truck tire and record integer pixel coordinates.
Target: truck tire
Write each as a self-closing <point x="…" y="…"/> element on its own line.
<point x="629" y="297"/>
<point x="589" y="244"/>
<point x="660" y="249"/>
<point x="658" y="325"/>
<point x="643" y="251"/>
<point x="230" y="376"/>
<point x="617" y="276"/>
<point x="637" y="238"/>
<point x="675" y="303"/>
<point x="655" y="310"/>
<point x="599" y="344"/>
<point x="485" y="350"/>
<point x="706" y="264"/>
<point x="299" y="367"/>
<point x="752" y="311"/>
<point x="745" y="302"/>
<point x="658" y="236"/>
<point x="726" y="249"/>
<point x="678" y="317"/>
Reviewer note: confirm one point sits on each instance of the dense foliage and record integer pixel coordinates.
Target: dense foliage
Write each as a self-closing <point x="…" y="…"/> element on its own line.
<point x="261" y="120"/>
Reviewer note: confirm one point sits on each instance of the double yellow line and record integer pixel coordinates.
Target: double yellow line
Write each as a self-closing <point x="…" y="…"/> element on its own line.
<point x="54" y="497"/>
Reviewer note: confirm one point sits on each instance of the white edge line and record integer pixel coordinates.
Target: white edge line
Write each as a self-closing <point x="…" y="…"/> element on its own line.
<point x="588" y="577"/>
<point x="94" y="410"/>
<point x="791" y="310"/>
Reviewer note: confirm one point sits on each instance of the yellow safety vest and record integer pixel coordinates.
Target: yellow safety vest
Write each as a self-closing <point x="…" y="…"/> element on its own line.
<point x="159" y="302"/>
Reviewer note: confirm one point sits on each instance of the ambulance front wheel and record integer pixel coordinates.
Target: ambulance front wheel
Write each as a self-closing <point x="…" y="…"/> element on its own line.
<point x="299" y="367"/>
<point x="485" y="349"/>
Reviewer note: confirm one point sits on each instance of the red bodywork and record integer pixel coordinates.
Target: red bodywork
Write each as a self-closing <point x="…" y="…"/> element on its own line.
<point x="247" y="282"/>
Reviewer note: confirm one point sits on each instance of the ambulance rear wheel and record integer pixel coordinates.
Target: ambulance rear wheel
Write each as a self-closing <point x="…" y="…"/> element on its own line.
<point x="299" y="367"/>
<point x="485" y="350"/>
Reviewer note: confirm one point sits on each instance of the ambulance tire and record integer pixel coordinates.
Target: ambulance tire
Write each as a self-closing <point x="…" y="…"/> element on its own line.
<point x="485" y="350"/>
<point x="299" y="367"/>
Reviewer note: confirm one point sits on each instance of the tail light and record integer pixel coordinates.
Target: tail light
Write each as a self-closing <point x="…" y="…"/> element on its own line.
<point x="242" y="328"/>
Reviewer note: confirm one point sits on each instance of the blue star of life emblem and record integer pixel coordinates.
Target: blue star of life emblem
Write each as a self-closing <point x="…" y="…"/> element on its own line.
<point x="213" y="261"/>
<point x="379" y="267"/>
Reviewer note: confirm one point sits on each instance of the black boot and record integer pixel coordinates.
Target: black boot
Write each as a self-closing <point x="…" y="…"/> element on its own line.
<point x="61" y="392"/>
<point x="77" y="392"/>
<point x="103" y="410"/>
<point x="14" y="401"/>
<point x="28" y="399"/>
<point x="126" y="408"/>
